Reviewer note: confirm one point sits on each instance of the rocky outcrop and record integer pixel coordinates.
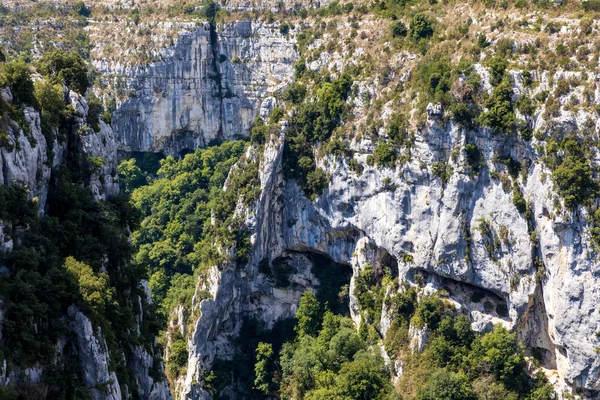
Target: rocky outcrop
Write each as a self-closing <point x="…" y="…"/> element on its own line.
<point x="464" y="235"/>
<point x="209" y="87"/>
<point x="27" y="158"/>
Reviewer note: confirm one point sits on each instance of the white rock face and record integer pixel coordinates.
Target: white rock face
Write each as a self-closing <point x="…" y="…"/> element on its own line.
<point x="25" y="160"/>
<point x="93" y="358"/>
<point x="409" y="211"/>
<point x="28" y="159"/>
<point x="209" y="86"/>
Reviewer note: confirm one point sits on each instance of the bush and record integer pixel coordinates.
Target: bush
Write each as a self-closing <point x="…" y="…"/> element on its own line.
<point x="500" y="115"/>
<point x="316" y="183"/>
<point x="498" y="66"/>
<point x="398" y="29"/>
<point x="93" y="287"/>
<point x="447" y="385"/>
<point x="573" y="179"/>
<point x="473" y="156"/>
<point x="420" y="27"/>
<point x="519" y="200"/>
<point x="385" y="155"/>
<point x="17" y="76"/>
<point x="81" y="9"/>
<point x="294" y="93"/>
<point x="284" y="28"/>
<point x="433" y="77"/>
<point x="65" y="68"/>
<point x="259" y="131"/>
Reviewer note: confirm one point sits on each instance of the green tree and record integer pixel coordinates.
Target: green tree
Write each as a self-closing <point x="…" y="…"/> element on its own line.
<point x="17" y="76"/>
<point x="262" y="368"/>
<point x="446" y="385"/>
<point x="499" y="353"/>
<point x="500" y="115"/>
<point x="365" y="378"/>
<point x="93" y="287"/>
<point x="398" y="29"/>
<point x="420" y="27"/>
<point x="130" y="175"/>
<point x="81" y="9"/>
<point x="308" y="315"/>
<point x="65" y="68"/>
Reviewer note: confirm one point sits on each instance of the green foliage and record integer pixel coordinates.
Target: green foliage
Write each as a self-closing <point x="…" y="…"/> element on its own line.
<point x="130" y="175"/>
<point x="176" y="235"/>
<point x="93" y="287"/>
<point x="50" y="99"/>
<point x="432" y="79"/>
<point x="95" y="109"/>
<point x="294" y="93"/>
<point x="420" y="27"/>
<point x="429" y="312"/>
<point x="65" y="68"/>
<point x="500" y="353"/>
<point x="385" y="154"/>
<point x="447" y="385"/>
<point x="17" y="76"/>
<point x="308" y="315"/>
<point x="259" y="131"/>
<point x="519" y="200"/>
<point x="81" y="9"/>
<point x="331" y="364"/>
<point x="314" y="122"/>
<point x="500" y="115"/>
<point x="464" y="114"/>
<point x="263" y="369"/>
<point x="498" y="66"/>
<point x="178" y="355"/>
<point x="474" y="156"/>
<point x="571" y="172"/>
<point x="398" y="29"/>
<point x="76" y="254"/>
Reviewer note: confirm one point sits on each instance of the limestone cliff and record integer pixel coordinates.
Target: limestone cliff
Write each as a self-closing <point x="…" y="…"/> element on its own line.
<point x="209" y="87"/>
<point x="27" y="160"/>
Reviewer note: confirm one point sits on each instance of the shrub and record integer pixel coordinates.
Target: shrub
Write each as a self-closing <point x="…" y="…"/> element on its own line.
<point x="498" y="66"/>
<point x="420" y="27"/>
<point x="482" y="41"/>
<point x="433" y="78"/>
<point x="93" y="287"/>
<point x="17" y="76"/>
<point x="398" y="29"/>
<point x="259" y="131"/>
<point x="464" y="114"/>
<point x="284" y="28"/>
<point x="573" y="179"/>
<point x="294" y="93"/>
<point x="81" y="9"/>
<point x="473" y="156"/>
<point x="500" y="115"/>
<point x="385" y="155"/>
<point x="447" y="385"/>
<point x="316" y="183"/>
<point x="519" y="200"/>
<point x="65" y="68"/>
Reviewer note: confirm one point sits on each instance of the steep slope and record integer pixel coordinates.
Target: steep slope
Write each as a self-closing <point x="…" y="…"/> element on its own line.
<point x="447" y="150"/>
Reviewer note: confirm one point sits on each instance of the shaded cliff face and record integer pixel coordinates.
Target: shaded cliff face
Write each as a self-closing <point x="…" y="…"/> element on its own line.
<point x="209" y="87"/>
<point x="81" y="349"/>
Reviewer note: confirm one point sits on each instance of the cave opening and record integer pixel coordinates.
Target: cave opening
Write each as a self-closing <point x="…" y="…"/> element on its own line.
<point x="334" y="282"/>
